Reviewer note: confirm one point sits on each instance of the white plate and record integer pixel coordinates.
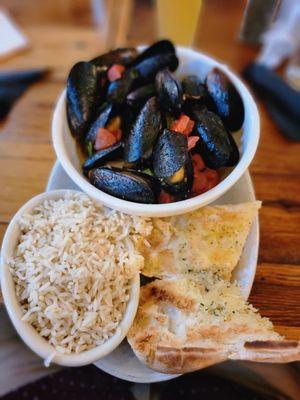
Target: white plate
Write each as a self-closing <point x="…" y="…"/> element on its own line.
<point x="122" y="362"/>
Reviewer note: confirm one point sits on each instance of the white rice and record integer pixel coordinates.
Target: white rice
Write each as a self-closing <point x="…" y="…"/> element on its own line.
<point x="72" y="270"/>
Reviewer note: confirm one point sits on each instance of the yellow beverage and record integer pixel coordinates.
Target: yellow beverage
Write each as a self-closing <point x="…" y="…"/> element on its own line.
<point x="177" y="20"/>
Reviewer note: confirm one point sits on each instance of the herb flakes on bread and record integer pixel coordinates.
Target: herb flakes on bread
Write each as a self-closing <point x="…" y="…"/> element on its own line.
<point x="209" y="239"/>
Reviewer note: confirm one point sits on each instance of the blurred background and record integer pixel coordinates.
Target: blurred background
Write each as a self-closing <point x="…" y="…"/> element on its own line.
<point x="43" y="40"/>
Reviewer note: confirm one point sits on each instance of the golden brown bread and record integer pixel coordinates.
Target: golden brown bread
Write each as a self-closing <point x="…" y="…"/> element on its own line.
<point x="209" y="239"/>
<point x="183" y="325"/>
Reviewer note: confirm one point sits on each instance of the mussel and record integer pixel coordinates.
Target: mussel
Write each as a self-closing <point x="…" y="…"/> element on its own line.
<point x="195" y="95"/>
<point x="172" y="163"/>
<point x="214" y="143"/>
<point x="123" y="56"/>
<point x="126" y="184"/>
<point x="227" y="100"/>
<point x="83" y="97"/>
<point x="138" y="97"/>
<point x="169" y="91"/>
<point x="193" y="88"/>
<point x="100" y="122"/>
<point x="160" y="47"/>
<point x="139" y="74"/>
<point x="143" y="133"/>
<point x="101" y="157"/>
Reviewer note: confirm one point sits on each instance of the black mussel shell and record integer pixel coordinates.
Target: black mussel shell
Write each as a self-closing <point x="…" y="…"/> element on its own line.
<point x="160" y="47"/>
<point x="139" y="96"/>
<point x="227" y="100"/>
<point x="235" y="154"/>
<point x="193" y="88"/>
<point x="214" y="143"/>
<point x="83" y="93"/>
<point x="100" y="122"/>
<point x="126" y="184"/>
<point x="170" y="156"/>
<point x="195" y="95"/>
<point x="102" y="156"/>
<point x="140" y="74"/>
<point x="144" y="132"/>
<point x="123" y="56"/>
<point x="148" y="68"/>
<point x="169" y="91"/>
<point x="119" y="89"/>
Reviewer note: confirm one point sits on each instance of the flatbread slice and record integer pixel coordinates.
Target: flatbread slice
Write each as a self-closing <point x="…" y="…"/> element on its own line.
<point x="209" y="239"/>
<point x="183" y="325"/>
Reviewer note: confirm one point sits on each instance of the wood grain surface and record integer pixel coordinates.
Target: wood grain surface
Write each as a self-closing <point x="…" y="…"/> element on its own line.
<point x="60" y="38"/>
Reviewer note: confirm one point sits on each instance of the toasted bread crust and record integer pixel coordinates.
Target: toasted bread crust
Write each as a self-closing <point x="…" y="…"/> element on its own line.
<point x="172" y="333"/>
<point x="188" y="359"/>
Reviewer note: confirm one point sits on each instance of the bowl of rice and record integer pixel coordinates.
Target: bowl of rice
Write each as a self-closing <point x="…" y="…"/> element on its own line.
<point x="70" y="276"/>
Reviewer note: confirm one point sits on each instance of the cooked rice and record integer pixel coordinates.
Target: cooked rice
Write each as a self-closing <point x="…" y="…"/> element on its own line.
<point x="72" y="270"/>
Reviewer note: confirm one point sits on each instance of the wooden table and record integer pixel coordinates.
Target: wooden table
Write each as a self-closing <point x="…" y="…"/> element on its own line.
<point x="26" y="154"/>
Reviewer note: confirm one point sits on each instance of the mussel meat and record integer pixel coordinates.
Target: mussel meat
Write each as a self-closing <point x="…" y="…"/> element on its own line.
<point x="227" y="100"/>
<point x="144" y="132"/>
<point x="169" y="91"/>
<point x="126" y="184"/>
<point x="101" y="157"/>
<point x="172" y="163"/>
<point x="214" y="143"/>
<point x="83" y="97"/>
<point x="100" y="122"/>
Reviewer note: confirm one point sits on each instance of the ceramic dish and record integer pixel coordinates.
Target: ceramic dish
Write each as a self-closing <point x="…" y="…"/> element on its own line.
<point x="191" y="62"/>
<point x="26" y="331"/>
<point x="122" y="363"/>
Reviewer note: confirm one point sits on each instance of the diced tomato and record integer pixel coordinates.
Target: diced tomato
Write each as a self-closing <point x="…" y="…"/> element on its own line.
<point x="189" y="127"/>
<point x="104" y="139"/>
<point x="183" y="125"/>
<point x="164" y="197"/>
<point x="117" y="134"/>
<point x="115" y="72"/>
<point x="192" y="140"/>
<point x="212" y="177"/>
<point x="200" y="183"/>
<point x="198" y="162"/>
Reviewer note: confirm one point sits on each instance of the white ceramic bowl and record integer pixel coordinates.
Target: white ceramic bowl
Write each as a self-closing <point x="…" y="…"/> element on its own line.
<point x="191" y="62"/>
<point x="29" y="335"/>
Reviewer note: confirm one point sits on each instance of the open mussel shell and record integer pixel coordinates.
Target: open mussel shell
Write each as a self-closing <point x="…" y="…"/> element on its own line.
<point x="101" y="157"/>
<point x="172" y="163"/>
<point x="214" y="143"/>
<point x="193" y="88"/>
<point x="195" y="95"/>
<point x="144" y="132"/>
<point x="169" y="91"/>
<point x="126" y="184"/>
<point x="123" y="56"/>
<point x="228" y="102"/>
<point x="83" y="97"/>
<point x="100" y="122"/>
<point x="140" y="74"/>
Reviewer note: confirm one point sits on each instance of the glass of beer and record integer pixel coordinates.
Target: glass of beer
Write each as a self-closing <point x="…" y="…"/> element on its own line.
<point x="178" y="20"/>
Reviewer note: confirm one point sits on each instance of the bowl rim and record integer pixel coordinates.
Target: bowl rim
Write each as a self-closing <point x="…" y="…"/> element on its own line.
<point x="26" y="331"/>
<point x="180" y="207"/>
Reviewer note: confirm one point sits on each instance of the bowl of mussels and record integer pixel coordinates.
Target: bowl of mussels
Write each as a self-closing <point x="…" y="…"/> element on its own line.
<point x="155" y="131"/>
